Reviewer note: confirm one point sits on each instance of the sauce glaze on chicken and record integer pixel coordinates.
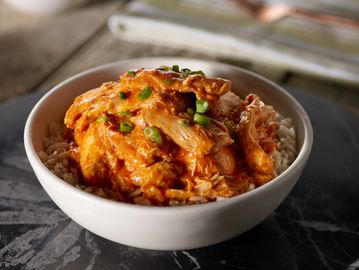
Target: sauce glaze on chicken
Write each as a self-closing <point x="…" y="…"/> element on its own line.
<point x="159" y="136"/>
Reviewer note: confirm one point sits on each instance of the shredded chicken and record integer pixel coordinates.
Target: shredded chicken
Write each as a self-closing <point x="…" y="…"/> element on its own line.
<point x="140" y="136"/>
<point x="256" y="116"/>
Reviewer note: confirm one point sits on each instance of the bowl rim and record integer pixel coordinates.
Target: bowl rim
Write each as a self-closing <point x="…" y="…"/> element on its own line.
<point x="37" y="163"/>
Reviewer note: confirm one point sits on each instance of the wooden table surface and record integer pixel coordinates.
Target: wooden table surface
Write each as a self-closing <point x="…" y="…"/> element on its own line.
<point x="38" y="52"/>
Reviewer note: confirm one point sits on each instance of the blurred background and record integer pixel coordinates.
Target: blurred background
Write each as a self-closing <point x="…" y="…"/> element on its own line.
<point x="307" y="45"/>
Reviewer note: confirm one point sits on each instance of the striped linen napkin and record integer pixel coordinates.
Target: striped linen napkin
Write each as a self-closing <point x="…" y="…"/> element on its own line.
<point x="221" y="28"/>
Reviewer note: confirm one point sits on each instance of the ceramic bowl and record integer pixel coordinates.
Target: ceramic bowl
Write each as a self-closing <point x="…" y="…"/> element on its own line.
<point x="166" y="228"/>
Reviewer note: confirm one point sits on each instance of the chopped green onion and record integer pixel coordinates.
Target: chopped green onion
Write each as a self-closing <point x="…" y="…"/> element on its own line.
<point x="164" y="68"/>
<point x="123" y="95"/>
<point x="125" y="113"/>
<point x="185" y="122"/>
<point x="168" y="81"/>
<point x="186" y="71"/>
<point x="199" y="72"/>
<point x="153" y="134"/>
<point x="126" y="127"/>
<point x="175" y="68"/>
<point x="132" y="72"/>
<point x="101" y="119"/>
<point x="201" y="119"/>
<point x="201" y="106"/>
<point x="145" y="93"/>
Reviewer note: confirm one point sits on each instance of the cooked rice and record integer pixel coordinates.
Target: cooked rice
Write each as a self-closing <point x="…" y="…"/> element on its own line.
<point x="287" y="146"/>
<point x="56" y="159"/>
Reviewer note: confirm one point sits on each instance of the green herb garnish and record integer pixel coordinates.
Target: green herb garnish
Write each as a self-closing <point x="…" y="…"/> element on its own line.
<point x="198" y="72"/>
<point x="125" y="113"/>
<point x="153" y="134"/>
<point x="186" y="71"/>
<point x="132" y="72"/>
<point x="164" y="68"/>
<point x="175" y="68"/>
<point x="202" y="119"/>
<point x="101" y="119"/>
<point x="145" y="93"/>
<point x="201" y="106"/>
<point x="125" y="127"/>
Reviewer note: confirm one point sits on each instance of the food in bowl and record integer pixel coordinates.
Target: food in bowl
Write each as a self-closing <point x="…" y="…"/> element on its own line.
<point x="169" y="136"/>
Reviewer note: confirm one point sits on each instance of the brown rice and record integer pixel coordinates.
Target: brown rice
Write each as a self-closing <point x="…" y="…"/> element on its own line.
<point x="55" y="158"/>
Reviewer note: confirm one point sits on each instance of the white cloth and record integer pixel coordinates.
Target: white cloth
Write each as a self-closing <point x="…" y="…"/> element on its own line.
<point x="220" y="28"/>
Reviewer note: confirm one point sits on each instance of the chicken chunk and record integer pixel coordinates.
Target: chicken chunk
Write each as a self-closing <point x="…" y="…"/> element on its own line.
<point x="193" y="138"/>
<point x="88" y="106"/>
<point x="259" y="162"/>
<point x="228" y="106"/>
<point x="93" y="159"/>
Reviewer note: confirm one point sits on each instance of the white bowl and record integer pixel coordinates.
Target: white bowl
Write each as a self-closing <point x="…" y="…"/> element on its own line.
<point x="166" y="228"/>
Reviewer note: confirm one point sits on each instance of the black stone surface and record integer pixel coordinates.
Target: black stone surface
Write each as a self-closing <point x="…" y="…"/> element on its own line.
<point x="317" y="226"/>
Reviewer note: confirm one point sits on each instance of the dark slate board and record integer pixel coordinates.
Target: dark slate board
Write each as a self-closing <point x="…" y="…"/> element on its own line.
<point x="317" y="226"/>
